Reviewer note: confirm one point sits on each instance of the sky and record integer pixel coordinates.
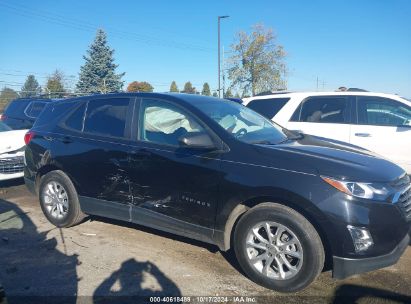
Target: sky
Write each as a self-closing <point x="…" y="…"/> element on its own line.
<point x="362" y="43"/>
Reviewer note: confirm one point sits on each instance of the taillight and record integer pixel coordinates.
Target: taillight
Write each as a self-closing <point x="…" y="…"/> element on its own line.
<point x="3" y="117"/>
<point x="28" y="137"/>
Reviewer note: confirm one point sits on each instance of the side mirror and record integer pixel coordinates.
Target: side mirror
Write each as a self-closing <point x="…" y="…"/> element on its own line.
<point x="198" y="140"/>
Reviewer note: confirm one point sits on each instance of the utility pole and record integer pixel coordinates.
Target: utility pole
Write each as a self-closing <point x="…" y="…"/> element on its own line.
<point x="223" y="74"/>
<point x="317" y="83"/>
<point x="219" y="71"/>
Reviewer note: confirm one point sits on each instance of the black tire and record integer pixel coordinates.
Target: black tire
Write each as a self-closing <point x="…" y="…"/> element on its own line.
<point x="313" y="250"/>
<point x="74" y="214"/>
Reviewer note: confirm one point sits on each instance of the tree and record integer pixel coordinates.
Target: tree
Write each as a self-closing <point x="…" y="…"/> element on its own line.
<point x="173" y="87"/>
<point x="31" y="87"/>
<point x="98" y="74"/>
<point x="215" y="94"/>
<point x="206" y="89"/>
<point x="228" y="93"/>
<point x="54" y="86"/>
<point x="6" y="96"/>
<point x="258" y="62"/>
<point x="188" y="88"/>
<point x="136" y="86"/>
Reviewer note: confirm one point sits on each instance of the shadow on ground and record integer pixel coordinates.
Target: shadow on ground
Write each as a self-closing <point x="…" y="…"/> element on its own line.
<point x="349" y="293"/>
<point x="135" y="280"/>
<point x="30" y="264"/>
<point x="33" y="270"/>
<point x="11" y="183"/>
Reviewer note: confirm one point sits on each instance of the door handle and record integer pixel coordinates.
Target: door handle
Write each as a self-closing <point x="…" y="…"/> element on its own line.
<point x="363" y="134"/>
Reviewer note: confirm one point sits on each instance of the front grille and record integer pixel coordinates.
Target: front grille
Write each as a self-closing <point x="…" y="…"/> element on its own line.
<point x="404" y="202"/>
<point x="12" y="165"/>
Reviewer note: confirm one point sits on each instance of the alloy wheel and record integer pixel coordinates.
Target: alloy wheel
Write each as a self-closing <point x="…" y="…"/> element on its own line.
<point x="274" y="250"/>
<point x="55" y="199"/>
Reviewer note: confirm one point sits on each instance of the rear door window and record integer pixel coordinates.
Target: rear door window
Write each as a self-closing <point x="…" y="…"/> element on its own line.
<point x="268" y="107"/>
<point x="107" y="117"/>
<point x="324" y="109"/>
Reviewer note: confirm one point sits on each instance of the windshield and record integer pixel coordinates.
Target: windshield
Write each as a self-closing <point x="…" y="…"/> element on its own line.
<point x="242" y="123"/>
<point x="4" y="127"/>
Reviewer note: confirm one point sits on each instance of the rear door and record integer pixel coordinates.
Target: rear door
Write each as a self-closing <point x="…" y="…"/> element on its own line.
<point x="94" y="151"/>
<point x="324" y="116"/>
<point x="384" y="126"/>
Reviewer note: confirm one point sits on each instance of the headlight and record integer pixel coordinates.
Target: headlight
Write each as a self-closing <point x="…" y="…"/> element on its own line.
<point x="375" y="191"/>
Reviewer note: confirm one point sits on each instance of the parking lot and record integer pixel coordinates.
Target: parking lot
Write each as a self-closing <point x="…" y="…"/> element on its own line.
<point x="101" y="257"/>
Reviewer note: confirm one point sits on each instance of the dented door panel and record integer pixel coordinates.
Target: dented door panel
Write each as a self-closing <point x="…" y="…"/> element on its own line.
<point x="175" y="182"/>
<point x="100" y="168"/>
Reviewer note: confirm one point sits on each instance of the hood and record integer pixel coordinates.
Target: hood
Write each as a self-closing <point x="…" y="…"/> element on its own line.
<point x="332" y="158"/>
<point x="12" y="140"/>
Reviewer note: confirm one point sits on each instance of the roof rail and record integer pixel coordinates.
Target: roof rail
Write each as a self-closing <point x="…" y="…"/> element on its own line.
<point x="272" y="93"/>
<point x="356" y="90"/>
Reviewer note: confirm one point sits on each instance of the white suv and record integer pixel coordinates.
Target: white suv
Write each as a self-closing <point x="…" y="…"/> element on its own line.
<point x="375" y="121"/>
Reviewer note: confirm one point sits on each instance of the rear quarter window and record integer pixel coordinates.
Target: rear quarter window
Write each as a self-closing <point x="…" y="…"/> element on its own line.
<point x="16" y="108"/>
<point x="268" y="107"/>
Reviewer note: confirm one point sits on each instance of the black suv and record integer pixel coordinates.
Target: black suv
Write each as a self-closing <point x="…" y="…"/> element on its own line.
<point x="21" y="113"/>
<point x="216" y="171"/>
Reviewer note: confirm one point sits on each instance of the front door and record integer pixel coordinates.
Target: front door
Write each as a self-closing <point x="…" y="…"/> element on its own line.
<point x="384" y="127"/>
<point x="172" y="185"/>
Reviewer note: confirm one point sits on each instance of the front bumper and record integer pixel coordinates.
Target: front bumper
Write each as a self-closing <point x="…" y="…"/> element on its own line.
<point x="345" y="267"/>
<point x="4" y="177"/>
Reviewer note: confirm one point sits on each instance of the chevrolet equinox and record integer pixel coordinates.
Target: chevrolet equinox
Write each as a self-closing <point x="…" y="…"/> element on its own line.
<point x="216" y="171"/>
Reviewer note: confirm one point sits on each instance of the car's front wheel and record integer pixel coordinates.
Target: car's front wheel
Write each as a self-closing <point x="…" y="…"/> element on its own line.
<point x="278" y="248"/>
<point x="59" y="200"/>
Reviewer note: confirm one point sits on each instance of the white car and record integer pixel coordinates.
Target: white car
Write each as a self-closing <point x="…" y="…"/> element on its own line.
<point x="11" y="152"/>
<point x="375" y="121"/>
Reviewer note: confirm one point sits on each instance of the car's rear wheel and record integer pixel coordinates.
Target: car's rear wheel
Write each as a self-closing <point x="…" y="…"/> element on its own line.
<point x="278" y="248"/>
<point x="59" y="199"/>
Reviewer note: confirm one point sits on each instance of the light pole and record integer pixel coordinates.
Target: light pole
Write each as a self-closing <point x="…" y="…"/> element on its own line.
<point x="219" y="89"/>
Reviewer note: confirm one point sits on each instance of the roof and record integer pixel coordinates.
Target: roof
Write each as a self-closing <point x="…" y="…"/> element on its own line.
<point x="331" y="93"/>
<point x="34" y="99"/>
<point x="188" y="98"/>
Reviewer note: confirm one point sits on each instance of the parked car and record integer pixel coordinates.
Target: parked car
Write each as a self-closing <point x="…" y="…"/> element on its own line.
<point x="216" y="171"/>
<point x="11" y="152"/>
<point x="21" y="113"/>
<point x="377" y="122"/>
